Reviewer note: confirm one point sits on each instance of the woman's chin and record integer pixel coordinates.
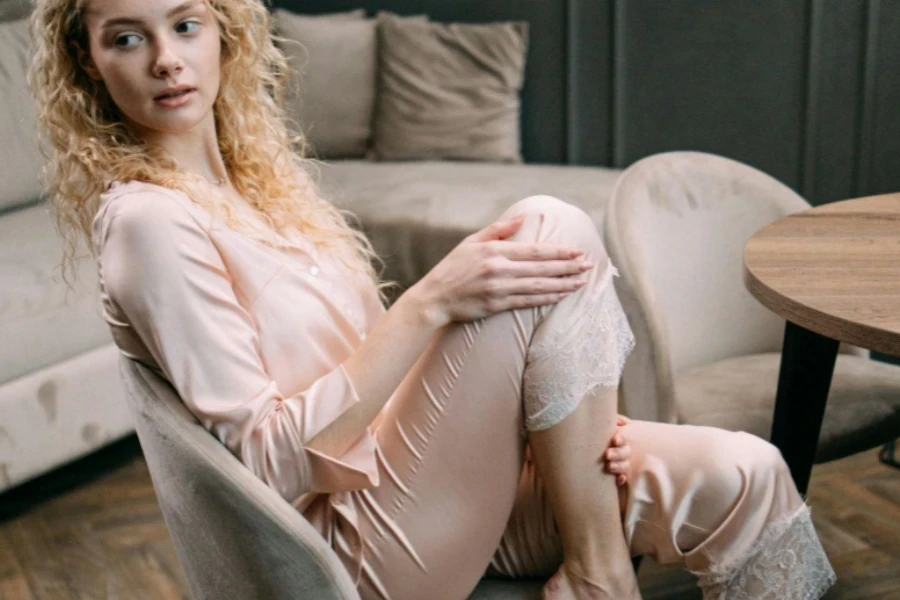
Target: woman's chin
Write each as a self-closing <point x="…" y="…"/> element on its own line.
<point x="170" y="124"/>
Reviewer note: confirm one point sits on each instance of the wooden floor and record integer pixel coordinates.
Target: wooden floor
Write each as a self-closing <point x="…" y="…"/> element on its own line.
<point x="93" y="530"/>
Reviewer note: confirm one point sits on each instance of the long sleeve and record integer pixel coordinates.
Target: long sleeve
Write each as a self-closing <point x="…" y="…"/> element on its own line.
<point x="164" y="281"/>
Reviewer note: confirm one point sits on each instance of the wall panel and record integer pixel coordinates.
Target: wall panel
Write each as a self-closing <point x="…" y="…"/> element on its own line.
<point x="725" y="77"/>
<point x="834" y="101"/>
<point x="879" y="146"/>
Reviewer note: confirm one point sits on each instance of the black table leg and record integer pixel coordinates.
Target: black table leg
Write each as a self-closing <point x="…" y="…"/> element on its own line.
<point x="807" y="365"/>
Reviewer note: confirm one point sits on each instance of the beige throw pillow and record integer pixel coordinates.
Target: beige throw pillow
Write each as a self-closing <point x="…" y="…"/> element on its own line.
<point x="334" y="99"/>
<point x="449" y="91"/>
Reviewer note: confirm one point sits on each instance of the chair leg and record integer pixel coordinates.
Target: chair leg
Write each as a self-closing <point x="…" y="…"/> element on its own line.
<point x="887" y="456"/>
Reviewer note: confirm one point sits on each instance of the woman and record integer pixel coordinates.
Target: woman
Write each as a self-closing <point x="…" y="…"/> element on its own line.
<point x="406" y="435"/>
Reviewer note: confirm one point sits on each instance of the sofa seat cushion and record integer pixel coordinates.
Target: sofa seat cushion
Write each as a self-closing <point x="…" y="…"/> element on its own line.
<point x="416" y="212"/>
<point x="42" y="321"/>
<point x="738" y="394"/>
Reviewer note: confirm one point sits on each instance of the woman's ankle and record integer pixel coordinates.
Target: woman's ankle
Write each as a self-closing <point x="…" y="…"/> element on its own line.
<point x="614" y="580"/>
<point x="570" y="583"/>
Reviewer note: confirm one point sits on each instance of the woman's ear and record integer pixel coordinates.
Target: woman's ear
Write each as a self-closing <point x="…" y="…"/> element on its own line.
<point x="85" y="61"/>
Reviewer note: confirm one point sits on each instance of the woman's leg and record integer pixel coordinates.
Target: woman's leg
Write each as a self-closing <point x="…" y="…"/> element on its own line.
<point x="574" y="363"/>
<point x="725" y="503"/>
<point x="596" y="560"/>
<point x="452" y="445"/>
<point x="721" y="502"/>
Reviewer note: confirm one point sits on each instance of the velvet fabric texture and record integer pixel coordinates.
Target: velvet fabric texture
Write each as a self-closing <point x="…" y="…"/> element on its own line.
<point x="332" y="87"/>
<point x="449" y="91"/>
<point x="863" y="407"/>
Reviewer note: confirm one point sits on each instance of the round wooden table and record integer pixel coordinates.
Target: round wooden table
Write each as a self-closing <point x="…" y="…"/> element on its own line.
<point x="833" y="272"/>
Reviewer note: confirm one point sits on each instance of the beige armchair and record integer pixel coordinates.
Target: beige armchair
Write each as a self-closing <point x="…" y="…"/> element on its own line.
<point x="235" y="537"/>
<point x="708" y="353"/>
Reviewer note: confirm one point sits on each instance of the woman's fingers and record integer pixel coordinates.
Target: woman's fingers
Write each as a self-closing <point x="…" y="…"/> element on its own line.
<point x="525" y="301"/>
<point x="536" y="286"/>
<point x="620" y="470"/>
<point x="498" y="230"/>
<point x="618" y="454"/>
<point x="618" y="458"/>
<point x="536" y="251"/>
<point x="546" y="268"/>
<point x="618" y="467"/>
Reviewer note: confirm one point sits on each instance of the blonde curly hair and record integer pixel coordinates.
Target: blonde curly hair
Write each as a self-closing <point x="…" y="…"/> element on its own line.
<point x="91" y="146"/>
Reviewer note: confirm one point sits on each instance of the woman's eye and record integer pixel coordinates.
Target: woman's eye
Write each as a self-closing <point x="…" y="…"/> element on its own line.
<point x="191" y="26"/>
<point x="124" y="38"/>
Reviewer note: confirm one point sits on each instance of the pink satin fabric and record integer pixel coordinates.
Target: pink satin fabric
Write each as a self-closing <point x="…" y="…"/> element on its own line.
<point x="252" y="338"/>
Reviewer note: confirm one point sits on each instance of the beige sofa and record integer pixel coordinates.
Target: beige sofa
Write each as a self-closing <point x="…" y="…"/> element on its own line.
<point x="60" y="392"/>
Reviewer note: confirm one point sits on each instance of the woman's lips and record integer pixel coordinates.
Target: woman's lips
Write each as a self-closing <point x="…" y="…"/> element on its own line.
<point x="175" y="101"/>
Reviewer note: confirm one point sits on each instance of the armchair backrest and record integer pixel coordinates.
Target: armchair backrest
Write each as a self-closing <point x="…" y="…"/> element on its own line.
<point x="235" y="537"/>
<point x="676" y="226"/>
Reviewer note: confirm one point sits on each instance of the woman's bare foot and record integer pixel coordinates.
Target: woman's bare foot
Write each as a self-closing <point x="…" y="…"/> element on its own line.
<point x="566" y="584"/>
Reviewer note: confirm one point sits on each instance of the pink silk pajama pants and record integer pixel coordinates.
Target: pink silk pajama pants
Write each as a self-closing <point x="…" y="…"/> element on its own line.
<point x="459" y="499"/>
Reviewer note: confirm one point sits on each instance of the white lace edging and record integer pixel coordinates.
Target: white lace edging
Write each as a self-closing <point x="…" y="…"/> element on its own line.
<point x="589" y="353"/>
<point x="787" y="562"/>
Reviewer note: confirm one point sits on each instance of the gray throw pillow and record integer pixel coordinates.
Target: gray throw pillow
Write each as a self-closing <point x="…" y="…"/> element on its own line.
<point x="10" y="10"/>
<point x="333" y="101"/>
<point x="449" y="91"/>
<point x="20" y="159"/>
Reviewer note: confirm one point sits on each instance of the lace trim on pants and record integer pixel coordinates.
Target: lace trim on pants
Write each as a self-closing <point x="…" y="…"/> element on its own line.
<point x="589" y="352"/>
<point x="787" y="562"/>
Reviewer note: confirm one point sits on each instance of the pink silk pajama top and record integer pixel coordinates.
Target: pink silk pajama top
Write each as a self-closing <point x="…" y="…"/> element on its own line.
<point x="252" y="338"/>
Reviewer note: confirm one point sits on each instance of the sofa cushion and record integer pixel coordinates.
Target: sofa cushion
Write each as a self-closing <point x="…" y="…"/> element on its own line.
<point x="47" y="322"/>
<point x="449" y="91"/>
<point x="332" y="90"/>
<point x="416" y="212"/>
<point x="20" y="159"/>
<point x="738" y="394"/>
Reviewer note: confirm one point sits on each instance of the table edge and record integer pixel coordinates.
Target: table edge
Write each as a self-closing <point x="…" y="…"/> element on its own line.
<point x="834" y="327"/>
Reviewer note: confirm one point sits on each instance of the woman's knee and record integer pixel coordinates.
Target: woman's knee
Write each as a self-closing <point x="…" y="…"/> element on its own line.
<point x="543" y="204"/>
<point x="760" y="458"/>
<point x="551" y="220"/>
<point x="754" y="470"/>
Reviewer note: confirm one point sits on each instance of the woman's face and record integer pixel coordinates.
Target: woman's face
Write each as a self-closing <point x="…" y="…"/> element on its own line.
<point x="141" y="48"/>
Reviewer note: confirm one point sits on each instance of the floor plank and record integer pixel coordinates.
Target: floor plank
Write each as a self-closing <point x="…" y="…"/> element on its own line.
<point x="93" y="530"/>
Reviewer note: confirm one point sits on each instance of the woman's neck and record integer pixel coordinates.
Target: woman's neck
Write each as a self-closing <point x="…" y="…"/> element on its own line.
<point x="195" y="151"/>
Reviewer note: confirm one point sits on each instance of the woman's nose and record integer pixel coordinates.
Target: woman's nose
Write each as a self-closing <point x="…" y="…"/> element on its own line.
<point x="167" y="63"/>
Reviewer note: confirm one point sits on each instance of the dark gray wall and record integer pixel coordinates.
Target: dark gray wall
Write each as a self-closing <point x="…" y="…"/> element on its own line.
<point x="805" y="90"/>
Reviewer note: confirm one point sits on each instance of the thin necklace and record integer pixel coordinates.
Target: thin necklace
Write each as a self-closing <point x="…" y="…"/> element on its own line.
<point x="216" y="182"/>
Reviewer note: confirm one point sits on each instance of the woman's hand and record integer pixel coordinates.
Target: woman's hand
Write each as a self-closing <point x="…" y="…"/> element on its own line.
<point x="486" y="274"/>
<point x="618" y="455"/>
